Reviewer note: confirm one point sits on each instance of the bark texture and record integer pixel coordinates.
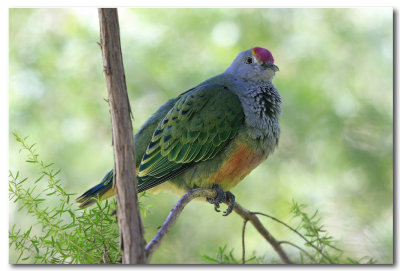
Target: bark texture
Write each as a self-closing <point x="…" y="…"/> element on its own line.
<point x="132" y="240"/>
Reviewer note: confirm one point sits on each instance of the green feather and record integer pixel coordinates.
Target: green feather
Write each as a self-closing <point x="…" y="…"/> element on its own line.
<point x="197" y="127"/>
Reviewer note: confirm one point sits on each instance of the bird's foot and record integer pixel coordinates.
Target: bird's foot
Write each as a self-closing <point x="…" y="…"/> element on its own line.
<point x="231" y="199"/>
<point x="221" y="198"/>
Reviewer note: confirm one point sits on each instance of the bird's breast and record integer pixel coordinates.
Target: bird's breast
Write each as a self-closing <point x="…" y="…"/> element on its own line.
<point x="242" y="160"/>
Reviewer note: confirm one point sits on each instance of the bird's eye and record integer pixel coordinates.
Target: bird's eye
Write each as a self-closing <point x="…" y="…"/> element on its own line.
<point x="249" y="60"/>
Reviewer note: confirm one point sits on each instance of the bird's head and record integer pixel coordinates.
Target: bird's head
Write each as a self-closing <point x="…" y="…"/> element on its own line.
<point x="256" y="64"/>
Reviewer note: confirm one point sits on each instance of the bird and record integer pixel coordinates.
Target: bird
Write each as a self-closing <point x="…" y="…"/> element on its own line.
<point x="210" y="136"/>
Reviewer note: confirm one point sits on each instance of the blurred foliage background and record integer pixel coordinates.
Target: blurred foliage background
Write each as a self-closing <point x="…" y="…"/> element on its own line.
<point x="335" y="79"/>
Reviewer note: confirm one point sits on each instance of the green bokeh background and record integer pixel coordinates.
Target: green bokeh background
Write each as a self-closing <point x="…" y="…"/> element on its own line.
<point x="335" y="79"/>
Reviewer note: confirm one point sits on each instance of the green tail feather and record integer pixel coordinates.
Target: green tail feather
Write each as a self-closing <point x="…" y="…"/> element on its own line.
<point x="89" y="197"/>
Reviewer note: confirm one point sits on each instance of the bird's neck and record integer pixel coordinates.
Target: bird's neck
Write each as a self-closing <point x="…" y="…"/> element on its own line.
<point x="261" y="105"/>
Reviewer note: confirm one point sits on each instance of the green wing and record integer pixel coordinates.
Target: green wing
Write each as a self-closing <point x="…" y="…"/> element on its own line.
<point x="200" y="124"/>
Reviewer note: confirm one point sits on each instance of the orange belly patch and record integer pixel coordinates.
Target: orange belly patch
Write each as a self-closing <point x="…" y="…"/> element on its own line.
<point x="238" y="166"/>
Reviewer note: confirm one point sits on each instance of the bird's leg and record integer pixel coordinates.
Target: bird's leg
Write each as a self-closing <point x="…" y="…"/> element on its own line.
<point x="222" y="197"/>
<point x="231" y="199"/>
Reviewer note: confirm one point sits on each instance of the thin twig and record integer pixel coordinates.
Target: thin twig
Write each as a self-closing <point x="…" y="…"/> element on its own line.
<point x="301" y="249"/>
<point x="298" y="233"/>
<point x="243" y="244"/>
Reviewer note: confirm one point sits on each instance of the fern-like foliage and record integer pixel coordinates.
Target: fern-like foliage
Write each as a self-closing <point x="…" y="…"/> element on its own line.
<point x="62" y="233"/>
<point x="324" y="248"/>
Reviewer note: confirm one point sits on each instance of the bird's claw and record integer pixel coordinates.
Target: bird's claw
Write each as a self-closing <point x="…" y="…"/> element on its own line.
<point x="220" y="198"/>
<point x="216" y="207"/>
<point x="231" y="199"/>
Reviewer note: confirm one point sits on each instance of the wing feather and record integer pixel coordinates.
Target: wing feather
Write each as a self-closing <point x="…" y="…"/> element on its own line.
<point x="200" y="124"/>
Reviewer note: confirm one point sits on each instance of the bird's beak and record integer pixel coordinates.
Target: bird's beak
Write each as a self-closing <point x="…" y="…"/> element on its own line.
<point x="270" y="66"/>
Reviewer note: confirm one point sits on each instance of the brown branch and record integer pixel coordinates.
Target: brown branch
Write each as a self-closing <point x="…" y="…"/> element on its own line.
<point x="210" y="193"/>
<point x="173" y="215"/>
<point x="132" y="240"/>
<point x="246" y="214"/>
<point x="298" y="233"/>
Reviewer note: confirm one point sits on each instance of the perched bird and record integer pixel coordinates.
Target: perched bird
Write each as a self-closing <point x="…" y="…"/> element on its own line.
<point x="211" y="136"/>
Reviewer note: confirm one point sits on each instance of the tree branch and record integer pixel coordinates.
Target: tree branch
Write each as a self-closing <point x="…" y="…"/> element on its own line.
<point x="298" y="233"/>
<point x="173" y="215"/>
<point x="246" y="214"/>
<point x="132" y="240"/>
<point x="211" y="193"/>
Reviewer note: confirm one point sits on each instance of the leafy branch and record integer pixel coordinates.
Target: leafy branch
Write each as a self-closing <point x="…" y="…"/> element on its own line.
<point x="61" y="234"/>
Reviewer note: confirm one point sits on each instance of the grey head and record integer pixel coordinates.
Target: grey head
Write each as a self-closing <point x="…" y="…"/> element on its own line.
<point x="256" y="64"/>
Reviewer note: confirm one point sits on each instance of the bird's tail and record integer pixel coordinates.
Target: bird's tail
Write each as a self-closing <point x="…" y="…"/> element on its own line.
<point x="106" y="189"/>
<point x="102" y="190"/>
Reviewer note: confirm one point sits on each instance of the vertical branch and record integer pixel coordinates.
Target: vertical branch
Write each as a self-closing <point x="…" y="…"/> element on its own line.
<point x="131" y="228"/>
